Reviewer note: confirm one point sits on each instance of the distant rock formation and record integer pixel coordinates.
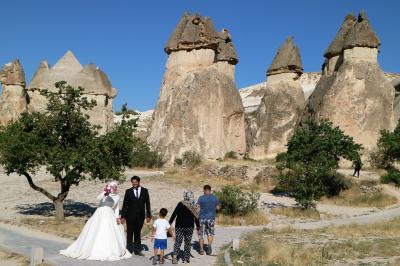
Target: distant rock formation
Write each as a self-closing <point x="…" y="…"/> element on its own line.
<point x="95" y="82"/>
<point x="144" y="123"/>
<point x="13" y="97"/>
<point x="354" y="93"/>
<point x="270" y="126"/>
<point x="199" y="107"/>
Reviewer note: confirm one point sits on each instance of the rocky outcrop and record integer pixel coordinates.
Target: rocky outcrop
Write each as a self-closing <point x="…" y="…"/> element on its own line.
<point x="199" y="107"/>
<point x="356" y="95"/>
<point x="95" y="82"/>
<point x="252" y="95"/>
<point x="143" y="124"/>
<point x="271" y="125"/>
<point x="13" y="100"/>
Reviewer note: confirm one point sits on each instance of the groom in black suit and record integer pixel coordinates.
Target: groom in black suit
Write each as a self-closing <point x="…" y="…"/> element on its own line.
<point x="135" y="210"/>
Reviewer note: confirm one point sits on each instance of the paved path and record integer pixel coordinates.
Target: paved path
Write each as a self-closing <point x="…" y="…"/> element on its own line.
<point x="20" y="240"/>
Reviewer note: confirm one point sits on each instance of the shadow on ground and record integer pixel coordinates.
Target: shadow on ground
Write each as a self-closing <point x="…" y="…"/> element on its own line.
<point x="71" y="208"/>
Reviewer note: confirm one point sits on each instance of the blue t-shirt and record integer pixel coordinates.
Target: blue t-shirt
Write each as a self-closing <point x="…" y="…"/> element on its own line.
<point x="208" y="203"/>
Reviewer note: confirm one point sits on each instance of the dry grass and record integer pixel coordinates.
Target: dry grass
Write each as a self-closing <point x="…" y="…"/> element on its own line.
<point x="258" y="251"/>
<point x="355" y="197"/>
<point x="254" y="218"/>
<point x="387" y="228"/>
<point x="294" y="212"/>
<point x="189" y="178"/>
<point x="70" y="228"/>
<point x="11" y="258"/>
<point x="322" y="246"/>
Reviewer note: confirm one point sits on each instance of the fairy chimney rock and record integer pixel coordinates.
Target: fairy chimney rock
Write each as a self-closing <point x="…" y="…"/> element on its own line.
<point x="13" y="96"/>
<point x="356" y="96"/>
<point x="270" y="126"/>
<point x="95" y="82"/>
<point x="199" y="107"/>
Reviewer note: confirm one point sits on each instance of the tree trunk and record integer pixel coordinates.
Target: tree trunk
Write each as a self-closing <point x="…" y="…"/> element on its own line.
<point x="59" y="209"/>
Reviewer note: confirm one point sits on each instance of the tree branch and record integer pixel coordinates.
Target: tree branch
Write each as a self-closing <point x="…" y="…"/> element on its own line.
<point x="42" y="190"/>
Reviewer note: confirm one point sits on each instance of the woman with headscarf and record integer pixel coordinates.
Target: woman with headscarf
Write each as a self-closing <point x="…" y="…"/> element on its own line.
<point x="187" y="215"/>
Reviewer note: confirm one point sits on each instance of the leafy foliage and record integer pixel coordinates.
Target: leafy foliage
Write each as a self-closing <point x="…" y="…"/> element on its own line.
<point x="234" y="201"/>
<point x="230" y="155"/>
<point x="62" y="140"/>
<point x="389" y="147"/>
<point x="392" y="176"/>
<point x="308" y="168"/>
<point x="191" y="159"/>
<point x="143" y="156"/>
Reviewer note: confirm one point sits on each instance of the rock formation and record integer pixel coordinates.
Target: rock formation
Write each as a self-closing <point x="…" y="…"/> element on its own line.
<point x="13" y="97"/>
<point x="272" y="124"/>
<point x="354" y="94"/>
<point x="199" y="107"/>
<point x="95" y="82"/>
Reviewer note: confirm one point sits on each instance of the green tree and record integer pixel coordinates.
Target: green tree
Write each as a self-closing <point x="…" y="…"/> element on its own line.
<point x="62" y="140"/>
<point x="389" y="151"/>
<point x="308" y="168"/>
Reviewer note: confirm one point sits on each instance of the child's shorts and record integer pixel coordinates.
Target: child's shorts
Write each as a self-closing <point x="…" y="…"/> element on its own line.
<point x="160" y="243"/>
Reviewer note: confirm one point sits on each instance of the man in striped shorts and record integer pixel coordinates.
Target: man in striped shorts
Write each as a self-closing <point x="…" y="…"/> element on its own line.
<point x="209" y="204"/>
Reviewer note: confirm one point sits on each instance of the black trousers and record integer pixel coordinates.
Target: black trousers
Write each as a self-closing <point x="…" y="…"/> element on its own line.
<point x="133" y="230"/>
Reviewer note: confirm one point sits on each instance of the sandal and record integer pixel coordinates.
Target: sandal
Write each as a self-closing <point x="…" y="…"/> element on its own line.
<point x="201" y="252"/>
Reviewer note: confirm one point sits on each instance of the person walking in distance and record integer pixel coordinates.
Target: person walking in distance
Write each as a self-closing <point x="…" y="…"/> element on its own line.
<point x="209" y="204"/>
<point x="357" y="167"/>
<point x="135" y="209"/>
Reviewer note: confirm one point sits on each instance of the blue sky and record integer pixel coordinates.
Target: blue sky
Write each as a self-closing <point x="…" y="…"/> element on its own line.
<point x="126" y="38"/>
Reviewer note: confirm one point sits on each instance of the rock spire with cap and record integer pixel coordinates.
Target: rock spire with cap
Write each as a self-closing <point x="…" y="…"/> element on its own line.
<point x="287" y="59"/>
<point x="198" y="32"/>
<point x="336" y="46"/>
<point x="362" y="34"/>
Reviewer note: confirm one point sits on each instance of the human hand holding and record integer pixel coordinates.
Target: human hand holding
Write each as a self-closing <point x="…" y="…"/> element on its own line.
<point x="122" y="220"/>
<point x="148" y="219"/>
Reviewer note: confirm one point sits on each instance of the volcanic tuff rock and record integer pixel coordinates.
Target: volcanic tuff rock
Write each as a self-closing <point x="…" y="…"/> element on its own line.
<point x="287" y="59"/>
<point x="356" y="96"/>
<point x="95" y="82"/>
<point x="272" y="124"/>
<point x="13" y="97"/>
<point x="199" y="107"/>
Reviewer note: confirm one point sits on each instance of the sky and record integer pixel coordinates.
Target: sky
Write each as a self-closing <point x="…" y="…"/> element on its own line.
<point x="125" y="38"/>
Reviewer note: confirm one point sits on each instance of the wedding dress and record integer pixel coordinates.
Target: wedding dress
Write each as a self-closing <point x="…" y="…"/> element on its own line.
<point x="102" y="238"/>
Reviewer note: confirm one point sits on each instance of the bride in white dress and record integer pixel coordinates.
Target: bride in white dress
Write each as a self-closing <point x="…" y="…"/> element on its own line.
<point x="103" y="236"/>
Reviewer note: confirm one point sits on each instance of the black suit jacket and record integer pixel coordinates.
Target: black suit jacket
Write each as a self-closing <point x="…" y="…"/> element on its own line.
<point x="136" y="208"/>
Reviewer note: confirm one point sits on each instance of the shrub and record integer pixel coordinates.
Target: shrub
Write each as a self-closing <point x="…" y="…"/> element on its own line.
<point x="377" y="159"/>
<point x="191" y="159"/>
<point x="308" y="168"/>
<point x="178" y="161"/>
<point x="143" y="156"/>
<point x="234" y="201"/>
<point x="392" y="176"/>
<point x="230" y="155"/>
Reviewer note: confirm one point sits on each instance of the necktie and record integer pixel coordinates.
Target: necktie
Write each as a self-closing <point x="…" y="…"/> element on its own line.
<point x="137" y="193"/>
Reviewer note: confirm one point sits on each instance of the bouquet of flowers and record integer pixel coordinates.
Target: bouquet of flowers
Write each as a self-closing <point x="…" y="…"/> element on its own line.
<point x="107" y="189"/>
